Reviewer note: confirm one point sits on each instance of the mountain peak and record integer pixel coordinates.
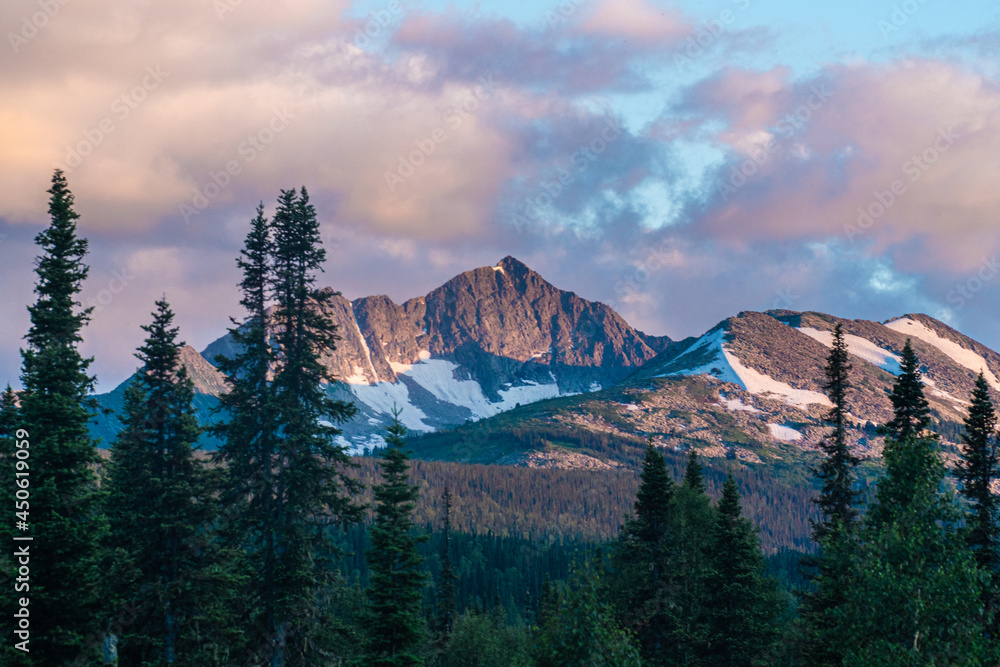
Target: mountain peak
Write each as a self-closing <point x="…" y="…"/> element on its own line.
<point x="513" y="265"/>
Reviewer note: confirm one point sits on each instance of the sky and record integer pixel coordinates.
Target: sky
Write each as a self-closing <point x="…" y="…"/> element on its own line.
<point x="680" y="161"/>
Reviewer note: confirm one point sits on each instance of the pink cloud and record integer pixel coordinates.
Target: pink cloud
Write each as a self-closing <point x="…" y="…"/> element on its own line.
<point x="636" y="20"/>
<point x="847" y="139"/>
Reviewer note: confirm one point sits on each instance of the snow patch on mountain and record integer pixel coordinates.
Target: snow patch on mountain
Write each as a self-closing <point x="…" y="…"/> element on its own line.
<point x="859" y="347"/>
<point x="786" y="433"/>
<point x="437" y="376"/>
<point x="383" y="396"/>
<point x="736" y="404"/>
<point x="726" y="367"/>
<point x="958" y="354"/>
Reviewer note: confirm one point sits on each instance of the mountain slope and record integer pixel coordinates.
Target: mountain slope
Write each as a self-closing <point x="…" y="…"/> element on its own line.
<point x="750" y="387"/>
<point x="484" y="342"/>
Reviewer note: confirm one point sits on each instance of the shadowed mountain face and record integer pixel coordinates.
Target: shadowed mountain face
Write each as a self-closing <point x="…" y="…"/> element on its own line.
<point x="750" y="388"/>
<point x="485" y="341"/>
<point x="498" y="338"/>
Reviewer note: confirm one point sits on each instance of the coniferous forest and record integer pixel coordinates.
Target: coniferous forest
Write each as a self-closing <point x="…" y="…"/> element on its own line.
<point x="279" y="549"/>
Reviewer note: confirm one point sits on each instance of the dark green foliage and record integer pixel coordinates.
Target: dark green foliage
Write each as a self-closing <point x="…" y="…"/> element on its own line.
<point x="584" y="631"/>
<point x="911" y="414"/>
<point x="485" y="640"/>
<point x="979" y="468"/>
<point x="692" y="522"/>
<point x="836" y="472"/>
<point x="694" y="478"/>
<point x="65" y="519"/>
<point x="447" y="595"/>
<point x="396" y="632"/>
<point x="742" y="606"/>
<point x="287" y="476"/>
<point x="828" y="570"/>
<point x="640" y="559"/>
<point x="180" y="586"/>
<point x="916" y="593"/>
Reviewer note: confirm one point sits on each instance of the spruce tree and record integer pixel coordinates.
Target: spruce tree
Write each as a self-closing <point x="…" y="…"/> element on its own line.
<point x="447" y="596"/>
<point x="289" y="473"/>
<point x="915" y="596"/>
<point x="582" y="630"/>
<point x="838" y="497"/>
<point x="911" y="413"/>
<point x="641" y="584"/>
<point x="827" y="571"/>
<point x="65" y="521"/>
<point x="396" y="632"/>
<point x="692" y="521"/>
<point x="978" y="470"/>
<point x="742" y="605"/>
<point x="160" y="505"/>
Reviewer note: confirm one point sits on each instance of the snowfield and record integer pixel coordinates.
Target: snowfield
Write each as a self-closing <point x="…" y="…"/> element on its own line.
<point x="437" y="376"/>
<point x="958" y="354"/>
<point x="728" y="368"/>
<point x="859" y="347"/>
<point x="786" y="433"/>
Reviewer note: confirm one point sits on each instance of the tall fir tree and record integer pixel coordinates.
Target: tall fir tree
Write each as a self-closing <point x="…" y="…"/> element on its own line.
<point x="581" y="630"/>
<point x="641" y="583"/>
<point x="447" y="594"/>
<point x="180" y="585"/>
<point x="911" y="413"/>
<point x="827" y="571"/>
<point x="978" y="470"/>
<point x="916" y="591"/>
<point x="65" y="521"/>
<point x="249" y="433"/>
<point x="396" y="631"/>
<point x="742" y="605"/>
<point x="692" y="520"/>
<point x="910" y="452"/>
<point x="838" y="497"/>
<point x="281" y="436"/>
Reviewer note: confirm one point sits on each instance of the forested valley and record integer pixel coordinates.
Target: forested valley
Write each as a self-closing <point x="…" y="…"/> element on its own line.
<point x="280" y="549"/>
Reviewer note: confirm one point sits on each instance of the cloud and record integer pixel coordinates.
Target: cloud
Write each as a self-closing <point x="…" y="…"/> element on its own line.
<point x="896" y="158"/>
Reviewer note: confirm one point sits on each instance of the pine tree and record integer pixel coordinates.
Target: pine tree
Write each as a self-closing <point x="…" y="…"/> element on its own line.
<point x="447" y="596"/>
<point x="911" y="414"/>
<point x="916" y="590"/>
<point x="827" y="571"/>
<point x="396" y="632"/>
<point x="65" y="520"/>
<point x="694" y="479"/>
<point x="583" y="631"/>
<point x="743" y="605"/>
<point x="641" y="585"/>
<point x="289" y="472"/>
<point x="838" y="497"/>
<point x="160" y="503"/>
<point x="978" y="469"/>
<point x="692" y="520"/>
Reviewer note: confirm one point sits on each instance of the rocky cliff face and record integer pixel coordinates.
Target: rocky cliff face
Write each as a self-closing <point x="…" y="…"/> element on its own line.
<point x="485" y="341"/>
